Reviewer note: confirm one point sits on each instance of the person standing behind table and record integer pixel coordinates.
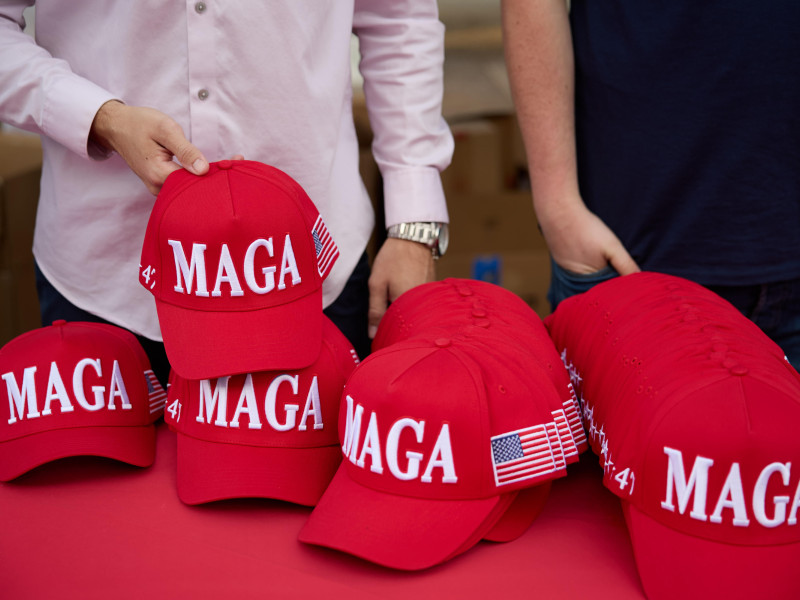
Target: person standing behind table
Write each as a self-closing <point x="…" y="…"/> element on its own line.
<point x="666" y="136"/>
<point x="124" y="93"/>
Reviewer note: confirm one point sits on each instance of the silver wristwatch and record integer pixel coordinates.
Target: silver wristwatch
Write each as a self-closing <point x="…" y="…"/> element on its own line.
<point x="432" y="234"/>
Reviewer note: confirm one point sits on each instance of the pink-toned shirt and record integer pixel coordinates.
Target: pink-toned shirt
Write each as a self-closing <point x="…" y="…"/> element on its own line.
<point x="269" y="80"/>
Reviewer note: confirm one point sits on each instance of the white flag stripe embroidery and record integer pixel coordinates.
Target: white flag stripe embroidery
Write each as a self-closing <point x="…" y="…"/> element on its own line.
<point x="543" y="464"/>
<point x="325" y="264"/>
<point x="529" y="474"/>
<point x="572" y="408"/>
<point x="559" y="460"/>
<point x="545" y="454"/>
<point x="157" y="397"/>
<point x="565" y="433"/>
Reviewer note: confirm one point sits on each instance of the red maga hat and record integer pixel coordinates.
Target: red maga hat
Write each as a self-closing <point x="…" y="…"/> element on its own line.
<point x="499" y="322"/>
<point x="694" y="414"/>
<point x="270" y="434"/>
<point x="74" y="389"/>
<point x="432" y="463"/>
<point x="235" y="260"/>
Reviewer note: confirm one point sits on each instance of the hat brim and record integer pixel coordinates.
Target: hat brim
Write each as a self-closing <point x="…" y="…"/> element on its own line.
<point x="211" y="471"/>
<point x="134" y="445"/>
<point x="398" y="531"/>
<point x="523" y="511"/>
<point x="672" y="564"/>
<point x="207" y="344"/>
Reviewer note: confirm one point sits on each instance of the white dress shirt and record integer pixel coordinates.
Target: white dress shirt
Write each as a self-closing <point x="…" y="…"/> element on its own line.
<point x="269" y="80"/>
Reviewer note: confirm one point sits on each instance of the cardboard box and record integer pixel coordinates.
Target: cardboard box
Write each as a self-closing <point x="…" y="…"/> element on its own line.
<point x="513" y="158"/>
<point x="497" y="222"/>
<point x="476" y="167"/>
<point x="525" y="273"/>
<point x="496" y="238"/>
<point x="20" y="171"/>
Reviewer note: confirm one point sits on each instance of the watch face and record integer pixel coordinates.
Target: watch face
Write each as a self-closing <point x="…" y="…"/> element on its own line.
<point x="444" y="238"/>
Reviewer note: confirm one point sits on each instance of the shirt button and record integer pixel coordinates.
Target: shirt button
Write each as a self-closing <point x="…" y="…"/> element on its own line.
<point x="202" y="94"/>
<point x="200" y="7"/>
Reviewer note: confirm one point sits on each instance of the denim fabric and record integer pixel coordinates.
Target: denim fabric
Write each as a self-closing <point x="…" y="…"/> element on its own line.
<point x="564" y="284"/>
<point x="349" y="311"/>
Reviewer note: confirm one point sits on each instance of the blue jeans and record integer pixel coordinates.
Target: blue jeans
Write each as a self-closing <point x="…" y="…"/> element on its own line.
<point x="774" y="307"/>
<point x="348" y="312"/>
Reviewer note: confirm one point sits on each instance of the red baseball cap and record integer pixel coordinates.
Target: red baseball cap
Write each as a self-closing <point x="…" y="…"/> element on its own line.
<point x="235" y="260"/>
<point x="270" y="434"/>
<point x="694" y="415"/>
<point x="498" y="320"/>
<point x="432" y="463"/>
<point x="75" y="389"/>
<point x="716" y="483"/>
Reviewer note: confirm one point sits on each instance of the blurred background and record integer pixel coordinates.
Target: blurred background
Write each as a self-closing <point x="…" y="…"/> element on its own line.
<point x="494" y="236"/>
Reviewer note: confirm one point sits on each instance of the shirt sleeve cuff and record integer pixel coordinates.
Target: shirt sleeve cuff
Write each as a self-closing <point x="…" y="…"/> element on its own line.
<point x="414" y="195"/>
<point x="72" y="103"/>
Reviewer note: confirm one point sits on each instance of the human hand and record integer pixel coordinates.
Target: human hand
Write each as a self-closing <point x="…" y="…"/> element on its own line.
<point x="147" y="140"/>
<point x="582" y="243"/>
<point x="399" y="266"/>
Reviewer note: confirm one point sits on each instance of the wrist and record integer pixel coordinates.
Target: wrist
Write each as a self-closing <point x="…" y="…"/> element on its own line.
<point x="433" y="235"/>
<point x="101" y="131"/>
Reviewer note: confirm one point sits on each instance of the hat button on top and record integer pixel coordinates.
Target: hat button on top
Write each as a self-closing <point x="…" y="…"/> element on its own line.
<point x="442" y="342"/>
<point x="731" y="364"/>
<point x="464" y="290"/>
<point x="59" y="322"/>
<point x="225" y="164"/>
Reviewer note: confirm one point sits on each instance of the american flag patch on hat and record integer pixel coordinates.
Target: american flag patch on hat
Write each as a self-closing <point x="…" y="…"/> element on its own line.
<point x="156" y="394"/>
<point x="523" y="454"/>
<point x="325" y="247"/>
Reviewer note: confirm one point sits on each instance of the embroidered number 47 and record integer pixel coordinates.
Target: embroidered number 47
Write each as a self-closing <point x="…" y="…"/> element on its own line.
<point x="174" y="410"/>
<point x="623" y="477"/>
<point x="147" y="273"/>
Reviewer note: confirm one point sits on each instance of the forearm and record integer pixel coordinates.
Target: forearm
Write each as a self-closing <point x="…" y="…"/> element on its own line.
<point x="40" y="93"/>
<point x="540" y="62"/>
<point x="539" y="58"/>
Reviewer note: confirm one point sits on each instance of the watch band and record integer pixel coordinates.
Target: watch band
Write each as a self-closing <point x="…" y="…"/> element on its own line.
<point x="432" y="234"/>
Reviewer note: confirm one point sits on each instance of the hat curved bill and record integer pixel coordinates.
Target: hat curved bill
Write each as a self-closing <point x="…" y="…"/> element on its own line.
<point x="398" y="531"/>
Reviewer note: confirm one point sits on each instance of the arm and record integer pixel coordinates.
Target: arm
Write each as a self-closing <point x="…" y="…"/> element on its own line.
<point x="402" y="48"/>
<point x="42" y="94"/>
<point x="540" y="64"/>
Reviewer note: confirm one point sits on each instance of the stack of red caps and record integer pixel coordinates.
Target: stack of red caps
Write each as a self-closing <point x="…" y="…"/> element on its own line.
<point x="451" y="430"/>
<point x="694" y="413"/>
<point x="236" y="260"/>
<point x="74" y="389"/>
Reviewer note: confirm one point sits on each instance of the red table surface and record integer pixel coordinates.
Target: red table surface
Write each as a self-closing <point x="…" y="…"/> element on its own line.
<point x="88" y="527"/>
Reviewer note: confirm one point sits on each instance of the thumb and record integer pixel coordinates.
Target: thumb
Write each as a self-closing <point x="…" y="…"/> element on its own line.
<point x="378" y="301"/>
<point x="188" y="155"/>
<point x="624" y="263"/>
<point x="192" y="159"/>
